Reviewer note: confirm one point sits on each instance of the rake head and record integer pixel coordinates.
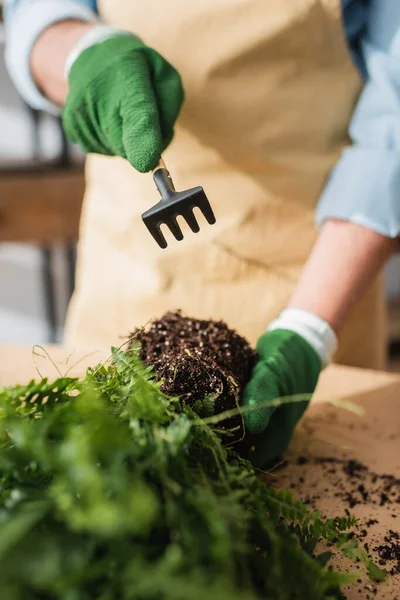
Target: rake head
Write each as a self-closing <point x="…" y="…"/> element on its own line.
<point x="172" y="205"/>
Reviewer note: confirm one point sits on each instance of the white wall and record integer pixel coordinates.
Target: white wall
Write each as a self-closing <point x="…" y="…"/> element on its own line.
<point x="21" y="302"/>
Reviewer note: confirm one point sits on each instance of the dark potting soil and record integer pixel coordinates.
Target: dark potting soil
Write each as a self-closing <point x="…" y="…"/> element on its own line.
<point x="355" y="484"/>
<point x="196" y="359"/>
<point x="390" y="551"/>
<point x="360" y="485"/>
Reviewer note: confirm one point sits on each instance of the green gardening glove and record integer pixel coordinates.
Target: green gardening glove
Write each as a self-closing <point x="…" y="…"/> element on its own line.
<point x="287" y="366"/>
<point x="124" y="99"/>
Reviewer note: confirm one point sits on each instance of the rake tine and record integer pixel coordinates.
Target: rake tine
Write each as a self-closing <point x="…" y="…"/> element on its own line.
<point x="207" y="211"/>
<point x="158" y="235"/>
<point x="174" y="228"/>
<point x="191" y="220"/>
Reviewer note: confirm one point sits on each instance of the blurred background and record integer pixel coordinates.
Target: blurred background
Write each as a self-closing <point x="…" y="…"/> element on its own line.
<point x="41" y="188"/>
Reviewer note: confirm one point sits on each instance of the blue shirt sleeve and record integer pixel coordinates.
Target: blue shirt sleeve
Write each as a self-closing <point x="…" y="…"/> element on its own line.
<point x="364" y="187"/>
<point x="10" y="5"/>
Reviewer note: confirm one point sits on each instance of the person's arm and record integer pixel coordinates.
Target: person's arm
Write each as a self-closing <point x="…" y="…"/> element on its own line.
<point x="26" y="21"/>
<point x="119" y="97"/>
<point x="302" y="341"/>
<point x="359" y="220"/>
<point x="364" y="186"/>
<point x="344" y="262"/>
<point x="359" y="210"/>
<point x="57" y="42"/>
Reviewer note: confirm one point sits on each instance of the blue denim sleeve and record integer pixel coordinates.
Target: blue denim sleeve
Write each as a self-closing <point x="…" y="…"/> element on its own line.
<point x="10" y="5"/>
<point x="364" y="187"/>
<point x="24" y="21"/>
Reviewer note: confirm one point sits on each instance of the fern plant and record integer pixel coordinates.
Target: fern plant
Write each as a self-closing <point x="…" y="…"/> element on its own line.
<point x="111" y="490"/>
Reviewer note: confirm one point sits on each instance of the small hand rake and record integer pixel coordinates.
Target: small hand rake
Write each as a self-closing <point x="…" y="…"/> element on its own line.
<point x="174" y="204"/>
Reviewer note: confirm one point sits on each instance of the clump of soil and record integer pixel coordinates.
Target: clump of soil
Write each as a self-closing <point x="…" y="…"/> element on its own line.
<point x="390" y="551"/>
<point x="198" y="359"/>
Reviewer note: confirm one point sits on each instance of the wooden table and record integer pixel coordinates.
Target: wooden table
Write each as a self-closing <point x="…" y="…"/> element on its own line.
<point x="327" y="439"/>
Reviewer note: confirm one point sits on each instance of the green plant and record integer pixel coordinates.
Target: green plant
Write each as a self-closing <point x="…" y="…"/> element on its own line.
<point x="111" y="490"/>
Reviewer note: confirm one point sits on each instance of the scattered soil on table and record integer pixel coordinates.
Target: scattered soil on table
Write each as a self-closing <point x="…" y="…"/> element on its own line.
<point x="390" y="551"/>
<point x="354" y="484"/>
<point x="360" y="485"/>
<point x="196" y="359"/>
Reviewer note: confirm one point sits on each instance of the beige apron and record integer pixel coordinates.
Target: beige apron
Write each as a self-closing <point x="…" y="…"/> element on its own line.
<point x="270" y="88"/>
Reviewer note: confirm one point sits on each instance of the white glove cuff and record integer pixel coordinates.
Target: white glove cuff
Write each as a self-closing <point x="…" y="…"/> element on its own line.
<point x="317" y="332"/>
<point x="96" y="35"/>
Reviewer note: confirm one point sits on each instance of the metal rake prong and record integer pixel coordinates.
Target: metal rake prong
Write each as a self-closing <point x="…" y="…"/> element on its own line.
<point x="205" y="207"/>
<point x="173" y="226"/>
<point x="191" y="220"/>
<point x="158" y="235"/>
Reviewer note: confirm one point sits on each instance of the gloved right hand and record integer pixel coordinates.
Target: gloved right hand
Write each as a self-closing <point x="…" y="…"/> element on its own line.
<point x="291" y="354"/>
<point x="123" y="100"/>
<point x="287" y="366"/>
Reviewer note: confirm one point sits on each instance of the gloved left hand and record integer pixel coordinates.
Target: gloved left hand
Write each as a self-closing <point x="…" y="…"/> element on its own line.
<point x="288" y="365"/>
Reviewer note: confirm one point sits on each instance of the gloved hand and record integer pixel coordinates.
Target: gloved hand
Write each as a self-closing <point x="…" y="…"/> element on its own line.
<point x="123" y="100"/>
<point x="287" y="365"/>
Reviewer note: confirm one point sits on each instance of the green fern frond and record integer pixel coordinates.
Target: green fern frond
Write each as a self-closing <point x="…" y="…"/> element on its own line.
<point x="110" y="489"/>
